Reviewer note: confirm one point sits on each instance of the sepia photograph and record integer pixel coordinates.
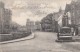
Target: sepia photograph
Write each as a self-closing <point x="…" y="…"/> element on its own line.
<point x="39" y="25"/>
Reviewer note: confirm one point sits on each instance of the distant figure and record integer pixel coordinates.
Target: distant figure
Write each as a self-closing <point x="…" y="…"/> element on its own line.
<point x="76" y="31"/>
<point x="72" y="30"/>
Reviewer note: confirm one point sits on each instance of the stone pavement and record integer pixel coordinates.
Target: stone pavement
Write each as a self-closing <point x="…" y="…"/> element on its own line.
<point x="21" y="39"/>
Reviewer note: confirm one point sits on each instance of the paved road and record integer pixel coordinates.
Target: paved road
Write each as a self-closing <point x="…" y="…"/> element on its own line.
<point x="43" y="42"/>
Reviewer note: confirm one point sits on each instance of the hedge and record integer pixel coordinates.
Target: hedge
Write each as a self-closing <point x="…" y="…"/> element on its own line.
<point x="14" y="35"/>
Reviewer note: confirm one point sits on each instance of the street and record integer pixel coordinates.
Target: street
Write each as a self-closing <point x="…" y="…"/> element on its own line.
<point x="43" y="42"/>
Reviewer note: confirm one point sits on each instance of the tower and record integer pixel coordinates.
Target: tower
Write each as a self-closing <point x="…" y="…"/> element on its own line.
<point x="60" y="9"/>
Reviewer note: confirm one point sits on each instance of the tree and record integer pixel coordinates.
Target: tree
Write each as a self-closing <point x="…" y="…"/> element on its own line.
<point x="46" y="22"/>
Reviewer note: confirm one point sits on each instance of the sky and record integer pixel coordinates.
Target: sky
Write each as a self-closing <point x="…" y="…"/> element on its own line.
<point x="34" y="10"/>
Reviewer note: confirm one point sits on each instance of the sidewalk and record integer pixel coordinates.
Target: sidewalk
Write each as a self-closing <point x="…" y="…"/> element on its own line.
<point x="21" y="39"/>
<point x="74" y="46"/>
<point x="76" y="38"/>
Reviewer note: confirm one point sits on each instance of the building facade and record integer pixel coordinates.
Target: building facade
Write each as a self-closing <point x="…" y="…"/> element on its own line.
<point x="74" y="10"/>
<point x="5" y="18"/>
<point x="30" y="25"/>
<point x="2" y="9"/>
<point x="38" y="25"/>
<point x="57" y="18"/>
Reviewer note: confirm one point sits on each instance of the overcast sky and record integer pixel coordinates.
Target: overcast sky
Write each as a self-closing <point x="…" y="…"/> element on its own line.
<point x="33" y="9"/>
